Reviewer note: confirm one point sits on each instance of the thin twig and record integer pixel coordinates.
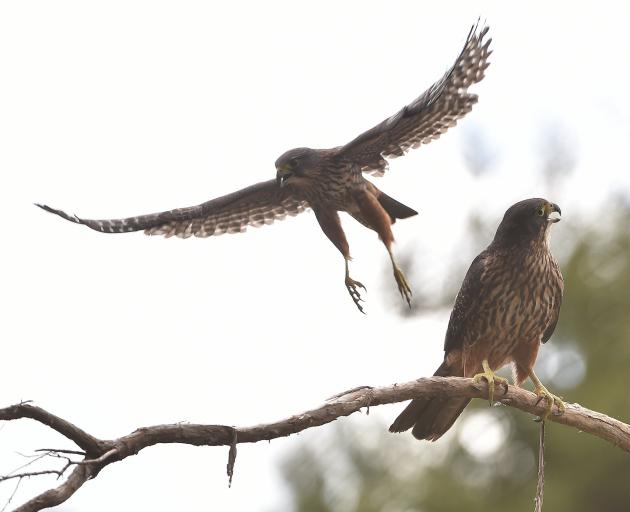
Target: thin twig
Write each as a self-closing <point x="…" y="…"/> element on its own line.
<point x="232" y="458"/>
<point x="61" y="450"/>
<point x="12" y="476"/>
<point x="17" y="485"/>
<point x="32" y="461"/>
<point x="540" y="487"/>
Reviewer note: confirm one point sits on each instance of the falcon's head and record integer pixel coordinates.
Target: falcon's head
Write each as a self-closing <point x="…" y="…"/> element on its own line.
<point x="296" y="166"/>
<point x="527" y="221"/>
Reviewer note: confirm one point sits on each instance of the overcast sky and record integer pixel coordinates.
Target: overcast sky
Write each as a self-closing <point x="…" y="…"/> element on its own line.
<point x="110" y="109"/>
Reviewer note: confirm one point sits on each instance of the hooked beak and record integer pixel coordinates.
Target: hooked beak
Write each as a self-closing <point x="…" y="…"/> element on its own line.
<point x="552" y="208"/>
<point x="282" y="175"/>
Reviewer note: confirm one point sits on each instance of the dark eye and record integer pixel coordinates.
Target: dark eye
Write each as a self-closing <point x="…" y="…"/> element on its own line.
<point x="540" y="211"/>
<point x="294" y="163"/>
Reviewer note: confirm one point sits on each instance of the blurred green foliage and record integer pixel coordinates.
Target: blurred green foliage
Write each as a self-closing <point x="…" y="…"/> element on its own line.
<point x="365" y="469"/>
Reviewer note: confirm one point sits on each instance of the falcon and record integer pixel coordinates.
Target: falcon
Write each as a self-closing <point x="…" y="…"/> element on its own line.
<point x="507" y="306"/>
<point x="331" y="180"/>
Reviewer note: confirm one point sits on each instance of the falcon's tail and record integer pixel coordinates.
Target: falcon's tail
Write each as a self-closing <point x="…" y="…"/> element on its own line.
<point x="430" y="417"/>
<point x="395" y="209"/>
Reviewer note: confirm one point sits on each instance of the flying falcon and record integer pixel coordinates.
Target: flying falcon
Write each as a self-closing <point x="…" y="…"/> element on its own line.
<point x="507" y="306"/>
<point x="331" y="180"/>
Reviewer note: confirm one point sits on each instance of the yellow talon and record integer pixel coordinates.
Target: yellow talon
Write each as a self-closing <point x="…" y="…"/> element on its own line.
<point x="403" y="285"/>
<point x="491" y="378"/>
<point x="352" y="287"/>
<point x="544" y="394"/>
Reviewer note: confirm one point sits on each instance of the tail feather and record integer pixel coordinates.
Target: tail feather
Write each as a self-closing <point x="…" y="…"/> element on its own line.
<point x="395" y="209"/>
<point x="430" y="418"/>
<point x="410" y="415"/>
<point x="438" y="417"/>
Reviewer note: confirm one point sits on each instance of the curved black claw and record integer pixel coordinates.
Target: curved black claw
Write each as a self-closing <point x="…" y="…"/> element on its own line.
<point x="352" y="286"/>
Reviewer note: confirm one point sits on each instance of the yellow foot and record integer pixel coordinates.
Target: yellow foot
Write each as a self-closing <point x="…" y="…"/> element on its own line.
<point x="492" y="379"/>
<point x="352" y="286"/>
<point x="403" y="285"/>
<point x="543" y="394"/>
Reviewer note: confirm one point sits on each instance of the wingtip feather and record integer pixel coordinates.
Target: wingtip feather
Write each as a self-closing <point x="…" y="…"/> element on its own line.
<point x="60" y="213"/>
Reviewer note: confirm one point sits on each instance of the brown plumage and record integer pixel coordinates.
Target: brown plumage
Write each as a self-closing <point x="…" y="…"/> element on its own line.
<point x="507" y="306"/>
<point x="330" y="180"/>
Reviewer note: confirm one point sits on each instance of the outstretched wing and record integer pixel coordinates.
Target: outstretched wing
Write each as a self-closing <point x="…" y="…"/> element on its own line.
<point x="428" y="116"/>
<point x="256" y="205"/>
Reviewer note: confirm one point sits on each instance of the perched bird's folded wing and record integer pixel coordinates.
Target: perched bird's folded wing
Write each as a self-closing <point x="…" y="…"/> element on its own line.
<point x="557" y="304"/>
<point x="256" y="205"/>
<point x="429" y="115"/>
<point x="472" y="298"/>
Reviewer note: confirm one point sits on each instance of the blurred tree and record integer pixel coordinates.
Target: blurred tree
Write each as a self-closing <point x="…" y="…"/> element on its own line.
<point x="479" y="155"/>
<point x="557" y="150"/>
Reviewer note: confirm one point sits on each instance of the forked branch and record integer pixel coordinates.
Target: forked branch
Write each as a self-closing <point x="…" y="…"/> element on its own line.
<point x="99" y="453"/>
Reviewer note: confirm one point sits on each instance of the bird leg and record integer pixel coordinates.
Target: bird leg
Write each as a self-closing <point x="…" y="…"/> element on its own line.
<point x="491" y="378"/>
<point x="331" y="226"/>
<point x="373" y="215"/>
<point x="401" y="280"/>
<point x="352" y="286"/>
<point x="543" y="394"/>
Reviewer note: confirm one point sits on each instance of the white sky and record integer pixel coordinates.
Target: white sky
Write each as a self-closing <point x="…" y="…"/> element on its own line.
<point x="118" y="108"/>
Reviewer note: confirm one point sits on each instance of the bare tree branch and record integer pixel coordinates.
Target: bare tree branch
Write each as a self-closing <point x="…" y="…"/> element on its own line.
<point x="100" y="453"/>
<point x="59" y="450"/>
<point x="54" y="497"/>
<point x="81" y="438"/>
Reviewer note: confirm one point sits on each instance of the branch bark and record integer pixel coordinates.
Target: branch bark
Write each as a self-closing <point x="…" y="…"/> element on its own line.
<point x="100" y="453"/>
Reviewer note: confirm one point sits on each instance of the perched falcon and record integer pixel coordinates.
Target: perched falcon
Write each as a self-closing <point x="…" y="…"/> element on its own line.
<point x="331" y="180"/>
<point x="507" y="306"/>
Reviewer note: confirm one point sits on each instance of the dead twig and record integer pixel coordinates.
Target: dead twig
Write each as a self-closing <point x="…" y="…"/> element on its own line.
<point x="540" y="487"/>
<point x="15" y="490"/>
